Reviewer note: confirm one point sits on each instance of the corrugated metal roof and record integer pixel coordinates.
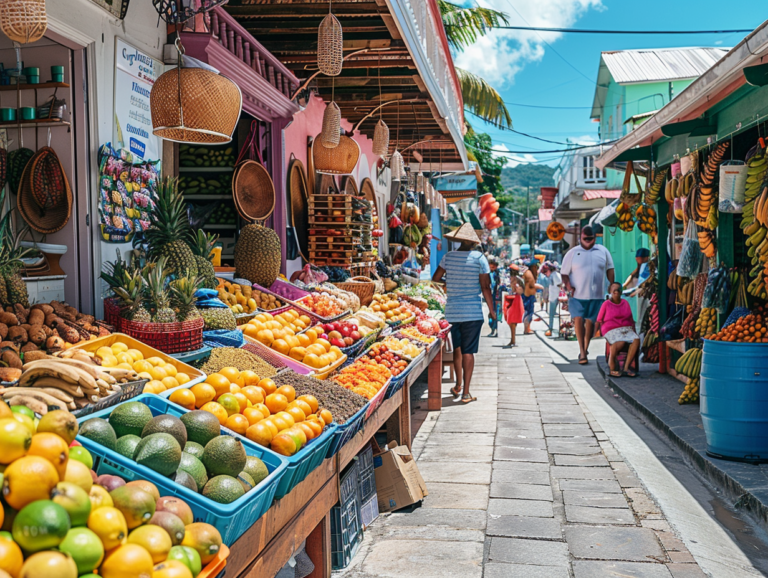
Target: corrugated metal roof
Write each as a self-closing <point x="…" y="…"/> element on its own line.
<point x="660" y="64"/>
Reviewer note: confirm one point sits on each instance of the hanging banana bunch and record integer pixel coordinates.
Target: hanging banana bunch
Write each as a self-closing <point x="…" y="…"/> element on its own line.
<point x="652" y="194"/>
<point x="646" y="221"/>
<point x="705" y="193"/>
<point x="626" y="220"/>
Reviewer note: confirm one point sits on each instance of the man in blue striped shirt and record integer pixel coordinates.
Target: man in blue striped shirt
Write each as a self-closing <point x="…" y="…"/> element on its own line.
<point x="467" y="275"/>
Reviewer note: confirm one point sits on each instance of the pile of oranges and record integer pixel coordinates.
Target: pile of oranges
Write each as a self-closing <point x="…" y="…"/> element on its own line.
<point x="364" y="377"/>
<point x="751" y="328"/>
<point x="257" y="409"/>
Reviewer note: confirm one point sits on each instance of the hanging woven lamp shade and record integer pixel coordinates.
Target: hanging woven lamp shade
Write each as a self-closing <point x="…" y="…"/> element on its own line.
<point x="331" y="126"/>
<point x="396" y="164"/>
<point x="203" y="110"/>
<point x="381" y="139"/>
<point x="23" y="21"/>
<point x="330" y="46"/>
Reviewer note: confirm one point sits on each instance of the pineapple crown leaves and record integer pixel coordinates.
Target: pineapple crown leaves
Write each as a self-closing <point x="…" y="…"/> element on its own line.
<point x="168" y="221"/>
<point x="203" y="244"/>
<point x="184" y="288"/>
<point x="156" y="283"/>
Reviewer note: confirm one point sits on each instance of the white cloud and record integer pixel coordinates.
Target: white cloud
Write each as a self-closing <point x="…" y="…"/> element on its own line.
<point x="512" y="159"/>
<point x="501" y="54"/>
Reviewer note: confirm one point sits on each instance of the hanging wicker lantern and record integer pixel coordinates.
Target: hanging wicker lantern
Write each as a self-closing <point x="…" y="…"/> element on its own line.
<point x="204" y="109"/>
<point x="23" y="21"/>
<point x="330" y="46"/>
<point x="396" y="165"/>
<point x="331" y="132"/>
<point x="381" y="139"/>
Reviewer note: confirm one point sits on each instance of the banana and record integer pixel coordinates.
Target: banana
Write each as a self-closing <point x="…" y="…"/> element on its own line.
<point x="752" y="228"/>
<point x="757" y="237"/>
<point x="91" y="370"/>
<point x="52" y="382"/>
<point x="118" y="373"/>
<point x="68" y="373"/>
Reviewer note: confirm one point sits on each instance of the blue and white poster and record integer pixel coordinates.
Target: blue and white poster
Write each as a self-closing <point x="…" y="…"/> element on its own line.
<point x="135" y="73"/>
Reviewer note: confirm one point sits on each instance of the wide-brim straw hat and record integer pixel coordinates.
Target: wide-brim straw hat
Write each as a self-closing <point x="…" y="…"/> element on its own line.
<point x="298" y="194"/>
<point x="464" y="233"/>
<point x="55" y="215"/>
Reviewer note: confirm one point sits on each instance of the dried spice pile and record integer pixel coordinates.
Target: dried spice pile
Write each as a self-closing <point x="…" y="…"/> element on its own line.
<point x="233" y="357"/>
<point x="342" y="403"/>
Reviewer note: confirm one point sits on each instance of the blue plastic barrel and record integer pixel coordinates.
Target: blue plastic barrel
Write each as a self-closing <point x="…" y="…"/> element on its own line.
<point x="734" y="400"/>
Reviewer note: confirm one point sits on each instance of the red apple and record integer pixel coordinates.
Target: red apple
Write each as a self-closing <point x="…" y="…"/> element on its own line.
<point x="328" y="327"/>
<point x="345" y="331"/>
<point x="355" y="335"/>
<point x="336" y="325"/>
<point x="348" y="341"/>
<point x="324" y="336"/>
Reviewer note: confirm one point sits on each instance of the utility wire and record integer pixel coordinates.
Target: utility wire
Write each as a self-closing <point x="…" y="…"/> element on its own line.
<point x="500" y="152"/>
<point x="524" y="134"/>
<point x="592" y="31"/>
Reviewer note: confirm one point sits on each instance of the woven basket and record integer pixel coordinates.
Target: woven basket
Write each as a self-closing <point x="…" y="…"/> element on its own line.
<point x="331" y="132"/>
<point x="298" y="193"/>
<point x="167" y="337"/>
<point x="363" y="287"/>
<point x="204" y="110"/>
<point x="253" y="191"/>
<point x="396" y="165"/>
<point x="340" y="160"/>
<point x="381" y="139"/>
<point x="48" y="179"/>
<point x="330" y="46"/>
<point x="23" y="21"/>
<point x="17" y="160"/>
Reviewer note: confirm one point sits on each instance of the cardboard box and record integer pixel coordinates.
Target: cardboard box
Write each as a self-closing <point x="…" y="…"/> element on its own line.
<point x="398" y="481"/>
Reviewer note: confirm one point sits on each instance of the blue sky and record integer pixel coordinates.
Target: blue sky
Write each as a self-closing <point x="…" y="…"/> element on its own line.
<point x="527" y="71"/>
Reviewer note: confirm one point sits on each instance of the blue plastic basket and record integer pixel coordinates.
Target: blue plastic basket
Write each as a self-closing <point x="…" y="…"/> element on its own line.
<point x="305" y="461"/>
<point x="396" y="383"/>
<point x="231" y="520"/>
<point x="346" y="526"/>
<point x="345" y="432"/>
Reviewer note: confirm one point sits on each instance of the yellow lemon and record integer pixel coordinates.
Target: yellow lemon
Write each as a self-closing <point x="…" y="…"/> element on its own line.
<point x="158" y="373"/>
<point x="29" y="479"/>
<point x="125" y="365"/>
<point x="15" y="440"/>
<point x="170" y="382"/>
<point x="108" y="523"/>
<point x="78" y="473"/>
<point x="170" y="369"/>
<point x="127" y="561"/>
<point x="124" y="358"/>
<point x="142" y="365"/>
<point x="109" y="361"/>
<point x="182" y="378"/>
<point x="144" y="375"/>
<point x="156" y="361"/>
<point x="104" y="352"/>
<point x="136" y="354"/>
<point x="153" y="539"/>
<point x="26" y="421"/>
<point x="100" y="497"/>
<point x="118" y="347"/>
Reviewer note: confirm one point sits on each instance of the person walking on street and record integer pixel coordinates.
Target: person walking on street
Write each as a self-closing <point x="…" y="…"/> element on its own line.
<point x="513" y="303"/>
<point x="584" y="269"/>
<point x="555" y="282"/>
<point x="543" y="293"/>
<point x="529" y="295"/>
<point x="467" y="275"/>
<point x="496" y="291"/>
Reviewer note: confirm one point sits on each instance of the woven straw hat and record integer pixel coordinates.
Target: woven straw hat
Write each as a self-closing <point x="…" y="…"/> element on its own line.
<point x="253" y="191"/>
<point x="340" y="160"/>
<point x="44" y="180"/>
<point x="464" y="233"/>
<point x="298" y="194"/>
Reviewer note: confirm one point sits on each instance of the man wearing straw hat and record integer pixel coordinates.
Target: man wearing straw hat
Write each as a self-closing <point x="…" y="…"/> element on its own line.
<point x="467" y="275"/>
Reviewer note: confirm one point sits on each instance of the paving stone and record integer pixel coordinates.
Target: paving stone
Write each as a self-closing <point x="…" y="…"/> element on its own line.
<point x="604" y="486"/>
<point x="422" y="559"/>
<point x="521" y="551"/>
<point x="656" y="524"/>
<point x="520" y="477"/>
<point x="589" y="569"/>
<point x="521" y="491"/>
<point x="533" y="508"/>
<point x="520" y="455"/>
<point x="498" y="570"/>
<point x="562" y="418"/>
<point x="478" y="439"/>
<point x="611" y="543"/>
<point x="684" y="571"/>
<point x="602" y="437"/>
<point x="432" y="533"/>
<point x="517" y="466"/>
<point x="557" y="430"/>
<point x="512" y="414"/>
<point x="530" y="408"/>
<point x="521" y="417"/>
<point x="641" y="503"/>
<point x="459" y="496"/>
<point x="594" y="499"/>
<point x="587" y="515"/>
<point x="457" y="453"/>
<point x="588" y="461"/>
<point x="582" y="473"/>
<point x="556" y="399"/>
<point x="520" y="431"/>
<point x="463" y="426"/>
<point x="681" y="557"/>
<point x="463" y="519"/>
<point x="625" y="476"/>
<point x="524" y="527"/>
<point x="456" y="472"/>
<point x="670" y="542"/>
<point x="522" y="442"/>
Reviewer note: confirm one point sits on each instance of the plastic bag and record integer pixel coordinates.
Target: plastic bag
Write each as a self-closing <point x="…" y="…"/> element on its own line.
<point x="670" y="331"/>
<point x="690" y="255"/>
<point x="717" y="293"/>
<point x="733" y="184"/>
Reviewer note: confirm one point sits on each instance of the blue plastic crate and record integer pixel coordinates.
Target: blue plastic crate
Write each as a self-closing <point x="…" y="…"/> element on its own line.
<point x="231" y="520"/>
<point x="345" y="432"/>
<point x="369" y="511"/>
<point x="396" y="384"/>
<point x="365" y="474"/>
<point x="346" y="526"/>
<point x="305" y="461"/>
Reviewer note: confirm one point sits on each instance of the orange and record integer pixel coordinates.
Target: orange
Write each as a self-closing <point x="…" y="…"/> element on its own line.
<point x="271" y="425"/>
<point x="315" y="425"/>
<point x="217" y="410"/>
<point x="281" y="345"/>
<point x="231" y="373"/>
<point x="242" y="400"/>
<point x="297" y="353"/>
<point x="325" y="343"/>
<point x="253" y="415"/>
<point x="280" y="423"/>
<point x="326" y="416"/>
<point x="263" y="409"/>
<point x="126" y="560"/>
<point x="237" y="423"/>
<point x="253" y="394"/>
<point x="170" y="382"/>
<point x="303" y="405"/>
<point x="234" y="387"/>
<point x="297" y="414"/>
<point x="11" y="558"/>
<point x="219" y="383"/>
<point x="276" y="402"/>
<point x="53" y="448"/>
<point x="259" y="433"/>
<point x="304" y="340"/>
<point x="262" y="391"/>
<point x="311" y="400"/>
<point x="311" y="335"/>
<point x="288" y="392"/>
<point x="250" y="377"/>
<point x="308" y="431"/>
<point x="283" y="444"/>
<point x="268" y="386"/>
<point x="286" y="417"/>
<point x="298" y="436"/>
<point x="184" y="397"/>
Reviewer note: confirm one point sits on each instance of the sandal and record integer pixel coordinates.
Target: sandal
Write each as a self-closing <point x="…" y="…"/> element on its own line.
<point x="454" y="392"/>
<point x="466" y="398"/>
<point x="630" y="373"/>
<point x="615" y="373"/>
<point x="583" y="360"/>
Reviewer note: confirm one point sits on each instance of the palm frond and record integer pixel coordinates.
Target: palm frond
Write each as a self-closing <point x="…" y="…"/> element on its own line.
<point x="483" y="100"/>
<point x="463" y="26"/>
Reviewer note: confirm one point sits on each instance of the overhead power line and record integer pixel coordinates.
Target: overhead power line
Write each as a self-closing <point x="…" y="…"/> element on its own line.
<point x="593" y="31"/>
<point x="504" y="152"/>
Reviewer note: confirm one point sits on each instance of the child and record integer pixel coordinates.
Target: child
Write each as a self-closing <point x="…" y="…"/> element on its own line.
<point x="513" y="303"/>
<point x="617" y="325"/>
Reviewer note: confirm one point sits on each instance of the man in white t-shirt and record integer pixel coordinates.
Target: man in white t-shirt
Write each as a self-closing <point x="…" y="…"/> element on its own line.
<point x="553" y="288"/>
<point x="584" y="269"/>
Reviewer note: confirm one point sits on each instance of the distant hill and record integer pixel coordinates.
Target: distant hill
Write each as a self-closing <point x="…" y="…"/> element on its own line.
<point x="523" y="175"/>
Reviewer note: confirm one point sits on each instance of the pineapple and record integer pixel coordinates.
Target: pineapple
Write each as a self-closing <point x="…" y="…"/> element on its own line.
<point x="3" y="292"/>
<point x="202" y="248"/>
<point x="183" y="292"/>
<point x="130" y="290"/>
<point x="258" y="255"/>
<point x="158" y="293"/>
<point x="16" y="287"/>
<point x="170" y="231"/>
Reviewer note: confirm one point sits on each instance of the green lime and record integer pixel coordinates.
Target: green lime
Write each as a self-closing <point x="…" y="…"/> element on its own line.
<point x="82" y="455"/>
<point x="24" y="410"/>
<point x="187" y="556"/>
<point x="7" y="535"/>
<point x="41" y="525"/>
<point x="85" y="547"/>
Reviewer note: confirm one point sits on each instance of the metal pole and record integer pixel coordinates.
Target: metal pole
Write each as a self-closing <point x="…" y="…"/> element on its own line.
<point x="528" y="218"/>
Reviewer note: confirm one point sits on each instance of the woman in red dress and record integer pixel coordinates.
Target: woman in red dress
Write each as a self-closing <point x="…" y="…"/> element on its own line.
<point x="513" y="302"/>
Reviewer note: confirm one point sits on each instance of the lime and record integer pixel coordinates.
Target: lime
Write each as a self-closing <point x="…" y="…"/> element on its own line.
<point x="82" y="455"/>
<point x="85" y="547"/>
<point x="75" y="500"/>
<point x="23" y="409"/>
<point x="41" y="525"/>
<point x="187" y="556"/>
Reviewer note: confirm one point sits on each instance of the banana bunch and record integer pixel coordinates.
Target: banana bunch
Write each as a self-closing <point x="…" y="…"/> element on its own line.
<point x="757" y="166"/>
<point x="689" y="364"/>
<point x="706" y="324"/>
<point x="757" y="288"/>
<point x="671" y="190"/>
<point x="626" y="220"/>
<point x="707" y="242"/>
<point x="690" y="392"/>
<point x="714" y="217"/>
<point x="646" y="221"/>
<point x="652" y="195"/>
<point x="685" y="293"/>
<point x="703" y="196"/>
<point x="673" y="281"/>
<point x="651" y="339"/>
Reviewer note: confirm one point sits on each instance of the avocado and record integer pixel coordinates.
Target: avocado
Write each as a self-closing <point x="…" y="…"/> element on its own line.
<point x="126" y="445"/>
<point x="246" y="481"/>
<point x="166" y="424"/>
<point x="223" y="489"/>
<point x="99" y="431"/>
<point x="201" y="426"/>
<point x="255" y="468"/>
<point x="194" y="468"/>
<point x="159" y="452"/>
<point x="224" y="455"/>
<point x="184" y="479"/>
<point x="136" y="505"/>
<point x="194" y="449"/>
<point x="129" y="418"/>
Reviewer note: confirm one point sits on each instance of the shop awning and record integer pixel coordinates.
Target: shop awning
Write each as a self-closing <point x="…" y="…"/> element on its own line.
<point x="545" y="214"/>
<point x="592" y="194"/>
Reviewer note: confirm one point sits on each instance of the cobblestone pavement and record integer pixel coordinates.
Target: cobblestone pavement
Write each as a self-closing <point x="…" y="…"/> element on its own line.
<point x="523" y="483"/>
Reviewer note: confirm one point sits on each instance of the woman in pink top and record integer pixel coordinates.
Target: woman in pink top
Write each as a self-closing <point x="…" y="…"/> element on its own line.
<point x="617" y="325"/>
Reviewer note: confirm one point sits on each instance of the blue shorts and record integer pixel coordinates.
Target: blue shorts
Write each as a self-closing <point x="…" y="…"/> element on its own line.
<point x="466" y="334"/>
<point x="529" y="305"/>
<point x="585" y="308"/>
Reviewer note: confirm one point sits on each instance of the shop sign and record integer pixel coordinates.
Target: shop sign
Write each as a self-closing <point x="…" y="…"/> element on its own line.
<point x="456" y="183"/>
<point x="135" y="73"/>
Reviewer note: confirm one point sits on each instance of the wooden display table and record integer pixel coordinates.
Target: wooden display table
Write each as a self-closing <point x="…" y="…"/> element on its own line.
<point x="304" y="514"/>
